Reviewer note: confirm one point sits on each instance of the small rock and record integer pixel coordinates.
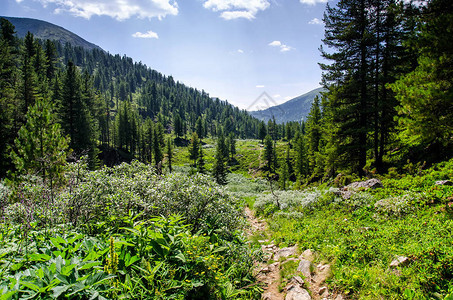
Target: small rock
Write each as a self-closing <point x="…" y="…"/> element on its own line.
<point x="285" y="252"/>
<point x="304" y="268"/>
<point x="265" y="270"/>
<point x="444" y="182"/>
<point x="308" y="255"/>
<point x="323" y="291"/>
<point x="296" y="280"/>
<point x="373" y="183"/>
<point x="297" y="293"/>
<point x="399" y="261"/>
<point x="273" y="266"/>
<point x="339" y="297"/>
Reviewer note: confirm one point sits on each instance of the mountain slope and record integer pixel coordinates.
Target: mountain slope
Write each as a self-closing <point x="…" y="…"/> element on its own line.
<point x="44" y="30"/>
<point x="295" y="109"/>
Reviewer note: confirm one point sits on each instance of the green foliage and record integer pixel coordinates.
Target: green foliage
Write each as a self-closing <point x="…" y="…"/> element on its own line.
<point x="105" y="242"/>
<point x="219" y="170"/>
<point x="40" y="147"/>
<point x="361" y="235"/>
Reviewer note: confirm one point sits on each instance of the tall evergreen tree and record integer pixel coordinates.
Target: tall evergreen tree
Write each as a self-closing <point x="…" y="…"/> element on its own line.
<point x="194" y="148"/>
<point x="219" y="170"/>
<point x="268" y="153"/>
<point x="200" y="162"/>
<point x="169" y="154"/>
<point x="40" y="147"/>
<point x="346" y="78"/>
<point x="426" y="94"/>
<point x="73" y="112"/>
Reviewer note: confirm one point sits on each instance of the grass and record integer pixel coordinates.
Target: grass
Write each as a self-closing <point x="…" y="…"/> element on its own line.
<point x="362" y="235"/>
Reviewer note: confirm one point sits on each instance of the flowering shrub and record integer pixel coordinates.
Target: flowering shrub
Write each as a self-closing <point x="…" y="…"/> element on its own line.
<point x="111" y="193"/>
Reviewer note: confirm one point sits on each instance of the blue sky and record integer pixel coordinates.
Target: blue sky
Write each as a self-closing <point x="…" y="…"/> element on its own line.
<point x="233" y="49"/>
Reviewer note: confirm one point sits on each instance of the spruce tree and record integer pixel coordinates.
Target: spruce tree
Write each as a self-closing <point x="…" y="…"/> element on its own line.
<point x="219" y="169"/>
<point x="346" y="77"/>
<point x="268" y="153"/>
<point x="314" y="131"/>
<point x="194" y="148"/>
<point x="157" y="147"/>
<point x="73" y="112"/>
<point x="40" y="147"/>
<point x="200" y="162"/>
<point x="425" y="94"/>
<point x="169" y="154"/>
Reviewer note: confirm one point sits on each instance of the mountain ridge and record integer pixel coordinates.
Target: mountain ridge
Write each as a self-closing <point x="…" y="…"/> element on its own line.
<point x="45" y="30"/>
<point x="293" y="110"/>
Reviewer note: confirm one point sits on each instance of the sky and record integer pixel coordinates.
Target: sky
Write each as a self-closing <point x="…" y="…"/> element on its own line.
<point x="235" y="50"/>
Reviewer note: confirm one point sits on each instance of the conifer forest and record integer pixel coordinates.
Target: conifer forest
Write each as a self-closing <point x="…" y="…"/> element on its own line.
<point x="120" y="182"/>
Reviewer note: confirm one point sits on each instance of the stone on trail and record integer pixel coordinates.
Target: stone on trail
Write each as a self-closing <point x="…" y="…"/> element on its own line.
<point x="308" y="255"/>
<point x="285" y="252"/>
<point x="304" y="267"/>
<point x="297" y="293"/>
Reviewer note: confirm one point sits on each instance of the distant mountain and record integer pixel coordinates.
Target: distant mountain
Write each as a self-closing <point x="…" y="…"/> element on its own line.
<point x="45" y="30"/>
<point x="292" y="110"/>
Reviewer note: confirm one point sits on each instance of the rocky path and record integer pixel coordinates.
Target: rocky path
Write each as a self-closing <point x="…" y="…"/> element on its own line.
<point x="308" y="281"/>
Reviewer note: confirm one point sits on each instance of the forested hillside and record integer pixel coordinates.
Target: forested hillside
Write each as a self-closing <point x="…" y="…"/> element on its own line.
<point x="294" y="110"/>
<point x="104" y="102"/>
<point x="47" y="31"/>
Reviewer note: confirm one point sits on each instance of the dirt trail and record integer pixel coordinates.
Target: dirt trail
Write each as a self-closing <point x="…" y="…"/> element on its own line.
<point x="309" y="285"/>
<point x="268" y="275"/>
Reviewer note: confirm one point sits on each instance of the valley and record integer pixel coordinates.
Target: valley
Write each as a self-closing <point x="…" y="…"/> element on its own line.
<point x="120" y="182"/>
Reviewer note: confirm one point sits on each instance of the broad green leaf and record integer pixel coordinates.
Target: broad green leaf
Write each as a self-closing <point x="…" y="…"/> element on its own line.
<point x="90" y="265"/>
<point x="58" y="263"/>
<point x="30" y="285"/>
<point x="39" y="257"/>
<point x="58" y="290"/>
<point x="66" y="270"/>
<point x="132" y="260"/>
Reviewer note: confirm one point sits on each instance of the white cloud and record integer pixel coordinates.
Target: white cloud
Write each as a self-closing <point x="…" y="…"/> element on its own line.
<point x="312" y="2"/>
<point x="117" y="9"/>
<point x="260" y="86"/>
<point x="147" y="35"/>
<point x="283" y="47"/>
<point x="315" y="21"/>
<point x="235" y="9"/>
<point x="240" y="51"/>
<point x="276" y="96"/>
<point x="230" y="15"/>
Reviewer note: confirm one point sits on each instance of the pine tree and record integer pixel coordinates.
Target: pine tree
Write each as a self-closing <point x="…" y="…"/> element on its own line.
<point x="425" y="94"/>
<point x="284" y="175"/>
<point x="268" y="153"/>
<point x="40" y="147"/>
<point x="232" y="145"/>
<point x="302" y="163"/>
<point x="346" y="78"/>
<point x="157" y="145"/>
<point x="73" y="112"/>
<point x="200" y="162"/>
<point x="9" y="112"/>
<point x="314" y="131"/>
<point x="194" y="148"/>
<point x="169" y="154"/>
<point x="219" y="169"/>
<point x="199" y="128"/>
<point x="262" y="131"/>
